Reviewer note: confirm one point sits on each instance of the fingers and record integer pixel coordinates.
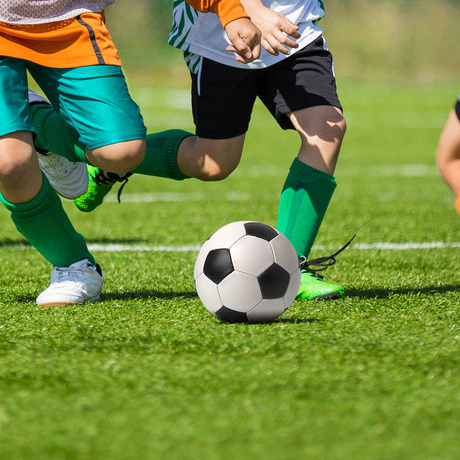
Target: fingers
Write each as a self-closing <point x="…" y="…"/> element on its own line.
<point x="289" y="27"/>
<point x="246" y="58"/>
<point x="245" y="38"/>
<point x="274" y="44"/>
<point x="278" y="33"/>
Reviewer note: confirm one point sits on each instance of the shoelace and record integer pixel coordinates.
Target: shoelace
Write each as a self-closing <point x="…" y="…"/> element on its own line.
<point x="60" y="273"/>
<point x="314" y="266"/>
<point x="103" y="177"/>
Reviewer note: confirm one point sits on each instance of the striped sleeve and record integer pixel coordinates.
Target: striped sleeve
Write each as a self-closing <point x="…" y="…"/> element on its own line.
<point x="227" y="10"/>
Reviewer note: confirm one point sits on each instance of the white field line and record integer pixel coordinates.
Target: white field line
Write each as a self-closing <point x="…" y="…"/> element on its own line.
<point x="196" y="247"/>
<point x="175" y="197"/>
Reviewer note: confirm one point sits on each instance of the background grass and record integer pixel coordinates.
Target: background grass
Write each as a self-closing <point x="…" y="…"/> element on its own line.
<point x="148" y="373"/>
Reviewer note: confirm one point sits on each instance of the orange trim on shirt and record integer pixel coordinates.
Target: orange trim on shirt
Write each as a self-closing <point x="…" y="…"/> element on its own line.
<point x="76" y="42"/>
<point x="227" y="10"/>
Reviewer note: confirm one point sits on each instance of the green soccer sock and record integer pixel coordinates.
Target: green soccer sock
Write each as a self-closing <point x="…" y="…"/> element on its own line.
<point x="161" y="154"/>
<point x="44" y="223"/>
<point x="55" y="135"/>
<point x="305" y="197"/>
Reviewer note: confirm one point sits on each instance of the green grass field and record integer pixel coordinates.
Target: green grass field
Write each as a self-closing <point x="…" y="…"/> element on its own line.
<point x="148" y="373"/>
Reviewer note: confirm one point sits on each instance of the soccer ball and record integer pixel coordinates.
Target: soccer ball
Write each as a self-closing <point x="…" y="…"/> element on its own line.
<point x="247" y="272"/>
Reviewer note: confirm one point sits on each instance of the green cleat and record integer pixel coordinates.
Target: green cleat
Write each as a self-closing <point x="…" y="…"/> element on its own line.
<point x="99" y="184"/>
<point x="314" y="288"/>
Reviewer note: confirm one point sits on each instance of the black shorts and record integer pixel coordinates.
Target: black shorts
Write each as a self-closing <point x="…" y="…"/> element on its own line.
<point x="457" y="108"/>
<point x="223" y="97"/>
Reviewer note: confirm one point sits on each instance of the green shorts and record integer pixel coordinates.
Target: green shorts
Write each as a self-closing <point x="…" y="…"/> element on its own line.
<point x="93" y="99"/>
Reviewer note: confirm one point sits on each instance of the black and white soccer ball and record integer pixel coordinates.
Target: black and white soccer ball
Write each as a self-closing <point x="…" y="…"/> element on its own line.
<point x="247" y="272"/>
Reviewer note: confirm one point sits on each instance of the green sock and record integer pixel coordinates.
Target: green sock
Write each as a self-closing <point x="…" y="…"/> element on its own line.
<point x="305" y="197"/>
<point x="55" y="135"/>
<point x="161" y="154"/>
<point x="44" y="223"/>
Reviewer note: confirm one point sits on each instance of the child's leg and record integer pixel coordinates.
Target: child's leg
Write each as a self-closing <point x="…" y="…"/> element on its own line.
<point x="56" y="135"/>
<point x="35" y="208"/>
<point x="448" y="154"/>
<point x="310" y="184"/>
<point x="95" y="101"/>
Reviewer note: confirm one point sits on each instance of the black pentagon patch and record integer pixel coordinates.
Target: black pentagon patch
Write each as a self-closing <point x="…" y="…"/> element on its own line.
<point x="218" y="265"/>
<point x="260" y="230"/>
<point x="231" y="316"/>
<point x="274" y="282"/>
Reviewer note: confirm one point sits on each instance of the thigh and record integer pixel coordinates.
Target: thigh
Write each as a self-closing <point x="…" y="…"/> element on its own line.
<point x="222" y="99"/>
<point x="94" y="100"/>
<point x="303" y="80"/>
<point x="14" y="103"/>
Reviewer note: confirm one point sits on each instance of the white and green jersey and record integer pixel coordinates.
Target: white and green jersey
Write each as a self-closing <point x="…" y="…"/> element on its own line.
<point x="199" y="34"/>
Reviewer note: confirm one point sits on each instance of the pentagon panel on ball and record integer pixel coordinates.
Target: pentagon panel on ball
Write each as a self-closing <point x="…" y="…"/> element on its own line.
<point x="247" y="272"/>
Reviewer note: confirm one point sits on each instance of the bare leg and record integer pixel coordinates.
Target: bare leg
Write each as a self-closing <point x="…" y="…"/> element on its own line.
<point x="209" y="159"/>
<point x="448" y="153"/>
<point x="20" y="175"/>
<point x="321" y="130"/>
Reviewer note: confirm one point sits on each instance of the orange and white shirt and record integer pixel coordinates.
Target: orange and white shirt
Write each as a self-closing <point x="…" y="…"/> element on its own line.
<point x="72" y="33"/>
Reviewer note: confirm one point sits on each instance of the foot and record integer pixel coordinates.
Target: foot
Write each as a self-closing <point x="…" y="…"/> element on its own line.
<point x="69" y="179"/>
<point x="312" y="285"/>
<point x="100" y="183"/>
<point x="78" y="283"/>
<point x="314" y="288"/>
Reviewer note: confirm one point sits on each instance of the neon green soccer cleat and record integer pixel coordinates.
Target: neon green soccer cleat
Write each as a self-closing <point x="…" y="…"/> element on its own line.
<point x="312" y="286"/>
<point x="99" y="184"/>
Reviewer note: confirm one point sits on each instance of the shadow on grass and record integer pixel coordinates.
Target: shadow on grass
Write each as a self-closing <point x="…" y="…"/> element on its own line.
<point x="351" y="293"/>
<point x="385" y="293"/>
<point x="147" y="295"/>
<point x="299" y="320"/>
<point x="129" y="296"/>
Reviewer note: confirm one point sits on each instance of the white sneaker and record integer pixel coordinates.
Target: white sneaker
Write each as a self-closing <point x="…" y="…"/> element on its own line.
<point x="78" y="283"/>
<point x="69" y="179"/>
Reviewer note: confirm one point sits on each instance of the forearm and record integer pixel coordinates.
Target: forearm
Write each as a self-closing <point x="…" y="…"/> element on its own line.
<point x="227" y="10"/>
<point x="253" y="7"/>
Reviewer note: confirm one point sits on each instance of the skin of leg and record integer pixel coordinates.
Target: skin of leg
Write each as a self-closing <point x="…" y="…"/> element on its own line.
<point x="448" y="153"/>
<point x="20" y="175"/>
<point x="321" y="129"/>
<point x="119" y="158"/>
<point x="209" y="159"/>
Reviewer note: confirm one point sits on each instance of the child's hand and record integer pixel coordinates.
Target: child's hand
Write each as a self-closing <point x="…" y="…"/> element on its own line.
<point x="245" y="38"/>
<point x="276" y="29"/>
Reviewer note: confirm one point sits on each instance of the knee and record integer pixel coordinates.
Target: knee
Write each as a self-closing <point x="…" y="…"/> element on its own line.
<point x="15" y="165"/>
<point x="119" y="158"/>
<point x="212" y="171"/>
<point x="337" y="126"/>
<point x="342" y="126"/>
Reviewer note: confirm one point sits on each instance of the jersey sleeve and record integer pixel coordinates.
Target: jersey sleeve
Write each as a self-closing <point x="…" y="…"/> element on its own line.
<point x="227" y="10"/>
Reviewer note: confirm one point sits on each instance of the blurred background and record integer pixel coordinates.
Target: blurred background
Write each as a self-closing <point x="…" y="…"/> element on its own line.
<point x="381" y="41"/>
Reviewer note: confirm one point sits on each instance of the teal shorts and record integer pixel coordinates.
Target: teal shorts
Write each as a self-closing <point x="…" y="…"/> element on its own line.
<point x="93" y="99"/>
